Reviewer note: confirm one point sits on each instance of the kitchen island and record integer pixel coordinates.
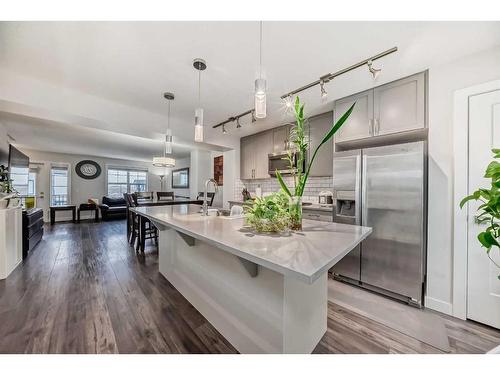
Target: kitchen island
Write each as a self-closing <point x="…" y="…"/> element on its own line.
<point x="264" y="293"/>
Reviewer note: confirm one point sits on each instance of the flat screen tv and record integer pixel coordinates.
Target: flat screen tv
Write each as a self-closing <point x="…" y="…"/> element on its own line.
<point x="19" y="169"/>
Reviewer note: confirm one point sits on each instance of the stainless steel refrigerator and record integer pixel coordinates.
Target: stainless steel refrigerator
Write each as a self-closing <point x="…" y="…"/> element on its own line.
<point x="384" y="188"/>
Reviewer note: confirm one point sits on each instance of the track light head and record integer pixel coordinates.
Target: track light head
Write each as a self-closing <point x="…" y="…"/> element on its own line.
<point x="238" y="125"/>
<point x="324" y="94"/>
<point x="288" y="102"/>
<point x="254" y="119"/>
<point x="375" y="72"/>
<point x="224" y="131"/>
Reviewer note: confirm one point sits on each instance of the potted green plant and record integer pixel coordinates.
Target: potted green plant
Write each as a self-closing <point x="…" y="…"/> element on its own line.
<point x="489" y="210"/>
<point x="300" y="142"/>
<point x="269" y="214"/>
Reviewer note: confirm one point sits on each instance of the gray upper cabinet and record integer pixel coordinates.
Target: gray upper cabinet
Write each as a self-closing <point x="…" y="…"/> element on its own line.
<point x="280" y="138"/>
<point x="263" y="147"/>
<point x="254" y="150"/>
<point x="400" y="105"/>
<point x="391" y="108"/>
<point x="246" y="158"/>
<point x="318" y="127"/>
<point x="359" y="123"/>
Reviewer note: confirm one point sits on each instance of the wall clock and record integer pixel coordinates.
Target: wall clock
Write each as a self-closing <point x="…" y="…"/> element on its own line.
<point x="88" y="169"/>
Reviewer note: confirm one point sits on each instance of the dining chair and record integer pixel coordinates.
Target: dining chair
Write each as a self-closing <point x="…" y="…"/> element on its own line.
<point x="165" y="195"/>
<point x="144" y="194"/>
<point x="142" y="228"/>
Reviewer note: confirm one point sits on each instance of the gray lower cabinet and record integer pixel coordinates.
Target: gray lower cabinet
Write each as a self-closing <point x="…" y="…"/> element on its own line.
<point x="318" y="215"/>
<point x="388" y="109"/>
<point x="254" y="151"/>
<point x="318" y="127"/>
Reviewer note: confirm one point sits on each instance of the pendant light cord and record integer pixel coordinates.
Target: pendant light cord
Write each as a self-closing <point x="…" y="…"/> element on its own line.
<point x="199" y="88"/>
<point x="168" y="127"/>
<point x="260" y="51"/>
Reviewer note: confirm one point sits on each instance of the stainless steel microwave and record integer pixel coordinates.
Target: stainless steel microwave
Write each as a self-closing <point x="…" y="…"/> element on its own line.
<point x="280" y="162"/>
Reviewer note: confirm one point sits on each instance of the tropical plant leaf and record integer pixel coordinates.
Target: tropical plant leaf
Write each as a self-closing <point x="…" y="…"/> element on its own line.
<point x="473" y="196"/>
<point x="282" y="184"/>
<point x="325" y="139"/>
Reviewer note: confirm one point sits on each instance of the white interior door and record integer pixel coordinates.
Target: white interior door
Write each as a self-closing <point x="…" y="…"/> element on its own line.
<point x="483" y="286"/>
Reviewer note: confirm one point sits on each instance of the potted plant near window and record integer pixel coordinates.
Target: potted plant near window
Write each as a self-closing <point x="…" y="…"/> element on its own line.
<point x="301" y="144"/>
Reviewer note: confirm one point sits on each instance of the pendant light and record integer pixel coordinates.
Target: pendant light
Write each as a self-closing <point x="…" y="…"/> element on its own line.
<point x="199" y="64"/>
<point x="164" y="161"/>
<point x="168" y="136"/>
<point x="260" y="86"/>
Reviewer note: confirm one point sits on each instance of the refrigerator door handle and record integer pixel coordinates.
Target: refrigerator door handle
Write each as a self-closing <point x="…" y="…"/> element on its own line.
<point x="364" y="210"/>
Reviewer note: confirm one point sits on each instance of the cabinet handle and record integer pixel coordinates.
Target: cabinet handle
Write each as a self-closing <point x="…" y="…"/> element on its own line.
<point x="377" y="126"/>
<point x="370" y="126"/>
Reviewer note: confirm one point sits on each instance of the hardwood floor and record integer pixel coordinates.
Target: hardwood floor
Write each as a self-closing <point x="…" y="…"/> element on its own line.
<point x="84" y="290"/>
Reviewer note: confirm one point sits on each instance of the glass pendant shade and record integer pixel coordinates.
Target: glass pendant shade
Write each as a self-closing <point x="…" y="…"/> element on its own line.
<point x="260" y="98"/>
<point x="163" y="161"/>
<point x="168" y="142"/>
<point x="198" y="125"/>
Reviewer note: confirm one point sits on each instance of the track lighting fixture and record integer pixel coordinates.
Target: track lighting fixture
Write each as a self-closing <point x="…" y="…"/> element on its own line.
<point x="224" y="131"/>
<point x="288" y="101"/>
<point x="237" y="119"/>
<point x="328" y="77"/>
<point x="375" y="72"/>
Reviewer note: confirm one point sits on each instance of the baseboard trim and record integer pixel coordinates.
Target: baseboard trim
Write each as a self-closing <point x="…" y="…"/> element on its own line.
<point x="438" y="305"/>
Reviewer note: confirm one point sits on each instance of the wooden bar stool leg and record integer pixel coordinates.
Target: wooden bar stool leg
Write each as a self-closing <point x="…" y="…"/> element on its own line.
<point x="138" y="245"/>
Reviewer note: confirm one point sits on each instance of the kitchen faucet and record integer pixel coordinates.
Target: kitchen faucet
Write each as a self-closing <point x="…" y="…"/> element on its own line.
<point x="205" y="199"/>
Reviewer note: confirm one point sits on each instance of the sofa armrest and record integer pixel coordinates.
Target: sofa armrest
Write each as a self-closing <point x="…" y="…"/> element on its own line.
<point x="104" y="207"/>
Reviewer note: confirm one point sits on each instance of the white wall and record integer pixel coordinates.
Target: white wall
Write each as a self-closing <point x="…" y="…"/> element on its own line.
<point x="81" y="189"/>
<point x="443" y="81"/>
<point x="200" y="171"/>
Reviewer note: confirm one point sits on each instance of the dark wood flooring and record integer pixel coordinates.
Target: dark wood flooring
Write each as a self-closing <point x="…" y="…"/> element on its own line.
<point x="84" y="290"/>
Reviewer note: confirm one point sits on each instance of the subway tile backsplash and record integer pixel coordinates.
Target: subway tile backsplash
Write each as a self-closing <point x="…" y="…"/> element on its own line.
<point x="270" y="185"/>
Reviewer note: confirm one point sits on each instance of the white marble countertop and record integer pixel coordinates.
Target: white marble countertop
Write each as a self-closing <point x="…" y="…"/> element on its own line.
<point x="305" y="255"/>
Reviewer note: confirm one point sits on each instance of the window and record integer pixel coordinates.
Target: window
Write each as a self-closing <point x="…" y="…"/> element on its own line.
<point x="32" y="184"/>
<point x="20" y="181"/>
<point x="126" y="181"/>
<point x="59" y="186"/>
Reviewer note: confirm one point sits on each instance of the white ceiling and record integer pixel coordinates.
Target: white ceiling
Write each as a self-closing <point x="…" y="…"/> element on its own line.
<point x="131" y="64"/>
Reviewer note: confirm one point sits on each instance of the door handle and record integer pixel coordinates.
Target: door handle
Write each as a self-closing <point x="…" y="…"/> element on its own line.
<point x="370" y="126"/>
<point x="377" y="126"/>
